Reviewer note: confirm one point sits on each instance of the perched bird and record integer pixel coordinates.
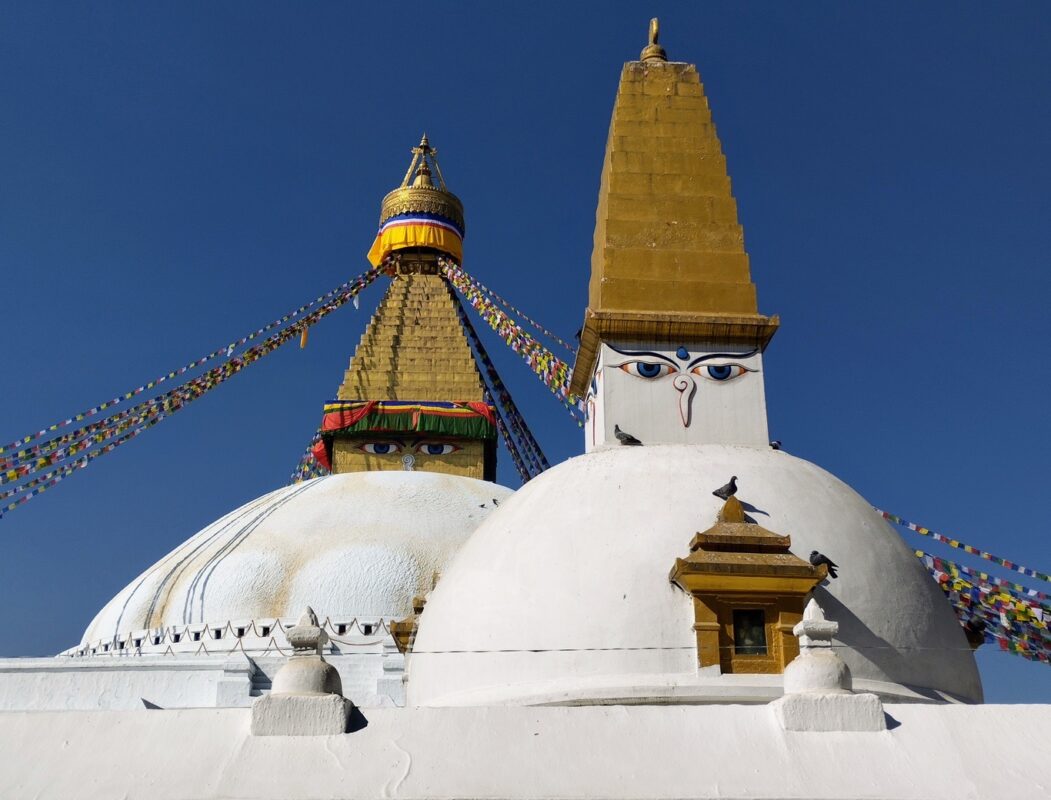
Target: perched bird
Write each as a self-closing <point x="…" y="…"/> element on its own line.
<point x="623" y="437"/>
<point x="817" y="560"/>
<point x="775" y="444"/>
<point x="578" y="334"/>
<point x="496" y="502"/>
<point x="727" y="491"/>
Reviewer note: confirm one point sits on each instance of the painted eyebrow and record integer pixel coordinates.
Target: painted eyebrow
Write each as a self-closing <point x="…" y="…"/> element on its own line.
<point x="649" y="353"/>
<point x="697" y="361"/>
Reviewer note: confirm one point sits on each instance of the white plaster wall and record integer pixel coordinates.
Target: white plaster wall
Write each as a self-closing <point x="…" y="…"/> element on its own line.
<point x="648" y="752"/>
<point x="37" y="684"/>
<point x="352" y="545"/>
<point x="371" y="678"/>
<point x="576" y="565"/>
<point x="730" y="412"/>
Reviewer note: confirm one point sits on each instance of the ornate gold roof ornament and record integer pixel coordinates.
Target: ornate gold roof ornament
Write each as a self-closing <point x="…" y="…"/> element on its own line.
<point x="653" y="51"/>
<point x="418" y="193"/>
<point x="420" y="216"/>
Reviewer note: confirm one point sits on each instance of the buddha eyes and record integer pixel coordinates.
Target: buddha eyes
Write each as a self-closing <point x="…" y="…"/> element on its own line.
<point x="436" y="449"/>
<point x="381" y="448"/>
<point x="647" y="369"/>
<point x="720" y="372"/>
<point x="426" y="448"/>
<point x="651" y="370"/>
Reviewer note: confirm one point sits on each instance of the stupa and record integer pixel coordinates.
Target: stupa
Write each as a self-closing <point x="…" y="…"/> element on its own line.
<point x="581" y="609"/>
<point x="411" y="442"/>
<point x="612" y="629"/>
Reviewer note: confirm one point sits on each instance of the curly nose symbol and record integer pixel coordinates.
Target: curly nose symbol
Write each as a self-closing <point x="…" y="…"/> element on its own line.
<point x="686" y="387"/>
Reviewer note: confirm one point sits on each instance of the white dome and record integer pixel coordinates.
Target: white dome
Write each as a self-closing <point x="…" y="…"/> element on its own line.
<point x="358" y="544"/>
<point x="576" y="565"/>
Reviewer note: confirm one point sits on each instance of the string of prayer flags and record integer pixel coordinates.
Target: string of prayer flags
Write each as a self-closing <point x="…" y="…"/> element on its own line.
<point x="150" y="412"/>
<point x="1016" y="624"/>
<point x="552" y="371"/>
<point x="528" y="458"/>
<point x="12" y="459"/>
<point x="521" y="314"/>
<point x="974" y="551"/>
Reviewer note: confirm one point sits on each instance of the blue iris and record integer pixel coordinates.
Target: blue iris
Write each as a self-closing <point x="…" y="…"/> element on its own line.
<point x="435" y="449"/>
<point x="720" y="372"/>
<point x="381" y="448"/>
<point x="648" y="370"/>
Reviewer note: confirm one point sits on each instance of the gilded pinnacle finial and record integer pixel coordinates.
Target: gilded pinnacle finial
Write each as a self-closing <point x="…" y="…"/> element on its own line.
<point x="653" y="51"/>
<point x="422" y="200"/>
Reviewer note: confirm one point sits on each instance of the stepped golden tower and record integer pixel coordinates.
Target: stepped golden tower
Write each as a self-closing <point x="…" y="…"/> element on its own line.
<point x="412" y="397"/>
<point x="672" y="341"/>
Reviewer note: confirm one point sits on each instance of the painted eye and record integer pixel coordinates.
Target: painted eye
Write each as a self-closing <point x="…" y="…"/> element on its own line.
<point x="647" y="369"/>
<point x="380" y="448"/>
<point x="720" y="372"/>
<point x="436" y="448"/>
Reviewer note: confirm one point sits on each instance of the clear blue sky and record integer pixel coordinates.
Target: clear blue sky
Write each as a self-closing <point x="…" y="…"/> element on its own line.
<point x="173" y="176"/>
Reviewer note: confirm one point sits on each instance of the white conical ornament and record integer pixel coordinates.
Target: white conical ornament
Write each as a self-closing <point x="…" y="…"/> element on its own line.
<point x="306" y="698"/>
<point x="818" y="687"/>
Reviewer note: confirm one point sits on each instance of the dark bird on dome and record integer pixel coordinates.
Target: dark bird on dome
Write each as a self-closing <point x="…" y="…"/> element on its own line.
<point x="727" y="491"/>
<point x="496" y="502"/>
<point x="624" y="437"/>
<point x="775" y="444"/>
<point x="817" y="560"/>
<point x="578" y="334"/>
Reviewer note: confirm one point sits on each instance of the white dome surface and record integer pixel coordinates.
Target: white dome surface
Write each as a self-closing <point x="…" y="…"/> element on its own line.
<point x="358" y="544"/>
<point x="570" y="579"/>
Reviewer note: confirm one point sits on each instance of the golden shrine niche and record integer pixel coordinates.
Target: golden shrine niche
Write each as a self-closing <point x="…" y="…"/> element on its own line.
<point x="748" y="593"/>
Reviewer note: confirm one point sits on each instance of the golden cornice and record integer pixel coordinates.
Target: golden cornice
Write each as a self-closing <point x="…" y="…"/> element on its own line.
<point x="422" y="199"/>
<point x="668" y="327"/>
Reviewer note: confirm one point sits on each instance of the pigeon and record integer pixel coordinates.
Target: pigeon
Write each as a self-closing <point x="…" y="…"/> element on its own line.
<point x="775" y="444"/>
<point x="623" y="437"/>
<point x="496" y="502"/>
<point x="727" y="491"/>
<point x="817" y="560"/>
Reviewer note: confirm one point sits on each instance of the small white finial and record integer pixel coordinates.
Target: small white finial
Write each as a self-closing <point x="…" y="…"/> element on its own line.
<point x="306" y="696"/>
<point x="815" y="630"/>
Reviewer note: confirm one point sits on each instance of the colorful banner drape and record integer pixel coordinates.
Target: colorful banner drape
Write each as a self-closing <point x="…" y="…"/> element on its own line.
<point x="150" y="412"/>
<point x="552" y="371"/>
<point x="469" y="420"/>
<point x="417" y="229"/>
<point x="974" y="551"/>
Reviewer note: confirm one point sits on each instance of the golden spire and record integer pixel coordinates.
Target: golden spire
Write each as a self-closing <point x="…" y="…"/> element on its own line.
<point x="418" y="193"/>
<point x="669" y="262"/>
<point x="420" y="214"/>
<point x="653" y="51"/>
<point x="413" y="351"/>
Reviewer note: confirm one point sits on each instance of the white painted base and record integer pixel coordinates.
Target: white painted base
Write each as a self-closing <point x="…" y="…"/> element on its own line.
<point x="300" y="715"/>
<point x="841" y="711"/>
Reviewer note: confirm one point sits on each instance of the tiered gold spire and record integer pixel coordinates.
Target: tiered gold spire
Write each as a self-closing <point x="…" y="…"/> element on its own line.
<point x="412" y="386"/>
<point x="669" y="262"/>
<point x="413" y="348"/>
